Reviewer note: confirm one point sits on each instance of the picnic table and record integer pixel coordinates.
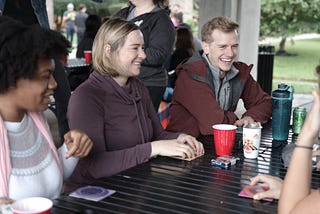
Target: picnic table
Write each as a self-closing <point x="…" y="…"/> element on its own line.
<point x="167" y="185"/>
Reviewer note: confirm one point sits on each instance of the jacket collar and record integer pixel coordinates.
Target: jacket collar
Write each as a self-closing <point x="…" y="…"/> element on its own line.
<point x="232" y="73"/>
<point x="129" y="94"/>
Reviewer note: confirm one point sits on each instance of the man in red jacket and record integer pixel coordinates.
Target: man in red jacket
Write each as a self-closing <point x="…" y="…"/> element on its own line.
<point x="211" y="82"/>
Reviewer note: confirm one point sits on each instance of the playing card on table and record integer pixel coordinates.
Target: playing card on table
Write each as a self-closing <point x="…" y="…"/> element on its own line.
<point x="249" y="191"/>
<point x="93" y="193"/>
<point x="187" y="159"/>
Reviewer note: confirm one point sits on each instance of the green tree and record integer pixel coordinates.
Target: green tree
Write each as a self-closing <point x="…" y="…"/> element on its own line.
<point x="285" y="18"/>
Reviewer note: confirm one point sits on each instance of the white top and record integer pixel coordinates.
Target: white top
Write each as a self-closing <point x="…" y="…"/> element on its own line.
<point x="34" y="169"/>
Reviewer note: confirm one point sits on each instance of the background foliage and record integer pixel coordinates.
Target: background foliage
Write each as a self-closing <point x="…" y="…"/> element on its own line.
<point x="289" y="17"/>
<point x="283" y="18"/>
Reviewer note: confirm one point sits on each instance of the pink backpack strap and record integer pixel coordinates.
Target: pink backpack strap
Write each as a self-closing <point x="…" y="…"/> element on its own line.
<point x="5" y="163"/>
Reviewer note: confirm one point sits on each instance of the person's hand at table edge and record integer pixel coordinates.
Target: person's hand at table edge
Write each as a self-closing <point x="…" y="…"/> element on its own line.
<point x="273" y="183"/>
<point x="185" y="146"/>
<point x="192" y="142"/>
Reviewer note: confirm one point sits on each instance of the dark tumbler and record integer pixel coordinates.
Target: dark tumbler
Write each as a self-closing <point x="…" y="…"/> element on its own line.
<point x="281" y="111"/>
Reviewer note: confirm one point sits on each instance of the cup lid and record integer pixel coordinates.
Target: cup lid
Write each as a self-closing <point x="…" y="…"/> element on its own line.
<point x="224" y="126"/>
<point x="253" y="126"/>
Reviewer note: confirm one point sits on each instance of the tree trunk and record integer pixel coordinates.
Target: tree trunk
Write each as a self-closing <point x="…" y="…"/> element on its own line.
<point x="282" y="45"/>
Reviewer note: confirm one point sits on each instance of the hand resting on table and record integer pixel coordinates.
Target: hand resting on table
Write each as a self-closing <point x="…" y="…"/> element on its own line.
<point x="184" y="146"/>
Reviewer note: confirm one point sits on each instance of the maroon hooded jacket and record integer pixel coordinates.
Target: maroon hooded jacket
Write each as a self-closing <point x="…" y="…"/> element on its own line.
<point x="194" y="108"/>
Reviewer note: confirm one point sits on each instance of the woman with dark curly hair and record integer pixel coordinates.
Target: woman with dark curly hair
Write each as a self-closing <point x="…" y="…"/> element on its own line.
<point x="29" y="162"/>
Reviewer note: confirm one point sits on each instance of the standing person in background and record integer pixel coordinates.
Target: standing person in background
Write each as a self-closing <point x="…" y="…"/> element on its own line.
<point x="80" y="21"/>
<point x="177" y="24"/>
<point x="174" y="19"/>
<point x="69" y="17"/>
<point x="176" y="9"/>
<point x="93" y="22"/>
<point x="196" y="40"/>
<point x="154" y="21"/>
<point x="35" y="12"/>
<point x="184" y="49"/>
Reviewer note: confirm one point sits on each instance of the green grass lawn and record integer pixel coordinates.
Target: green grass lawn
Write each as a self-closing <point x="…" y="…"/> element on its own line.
<point x="298" y="70"/>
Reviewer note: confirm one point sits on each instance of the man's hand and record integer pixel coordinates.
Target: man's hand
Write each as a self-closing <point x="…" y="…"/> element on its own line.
<point x="245" y="121"/>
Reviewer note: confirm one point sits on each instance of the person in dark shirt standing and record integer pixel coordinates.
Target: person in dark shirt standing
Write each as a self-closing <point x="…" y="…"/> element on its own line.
<point x="69" y="16"/>
<point x="154" y="21"/>
<point x="80" y="21"/>
<point x="93" y="22"/>
<point x="184" y="49"/>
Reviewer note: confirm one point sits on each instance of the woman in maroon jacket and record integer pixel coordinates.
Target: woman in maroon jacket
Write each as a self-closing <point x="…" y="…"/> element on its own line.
<point x="114" y="108"/>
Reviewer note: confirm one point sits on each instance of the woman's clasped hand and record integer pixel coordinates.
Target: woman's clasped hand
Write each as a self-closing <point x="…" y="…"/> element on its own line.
<point x="184" y="146"/>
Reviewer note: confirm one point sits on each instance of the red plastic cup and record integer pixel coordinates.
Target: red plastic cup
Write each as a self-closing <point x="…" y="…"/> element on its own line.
<point x="32" y="205"/>
<point x="224" y="137"/>
<point x="64" y="60"/>
<point x="87" y="56"/>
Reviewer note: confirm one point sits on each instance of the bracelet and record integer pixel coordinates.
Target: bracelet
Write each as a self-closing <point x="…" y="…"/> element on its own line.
<point x="303" y="147"/>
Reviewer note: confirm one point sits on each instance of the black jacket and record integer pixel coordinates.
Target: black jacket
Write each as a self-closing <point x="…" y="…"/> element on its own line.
<point x="159" y="35"/>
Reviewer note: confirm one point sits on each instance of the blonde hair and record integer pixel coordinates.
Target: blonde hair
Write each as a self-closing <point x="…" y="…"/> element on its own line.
<point x="113" y="32"/>
<point x="221" y="23"/>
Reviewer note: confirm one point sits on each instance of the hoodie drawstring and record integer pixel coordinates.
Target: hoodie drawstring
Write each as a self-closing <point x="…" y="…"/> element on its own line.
<point x="139" y="122"/>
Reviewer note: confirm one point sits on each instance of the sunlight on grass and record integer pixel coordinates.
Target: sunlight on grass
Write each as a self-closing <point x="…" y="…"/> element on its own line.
<point x="298" y="70"/>
<point x="299" y="87"/>
<point x="300" y="67"/>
